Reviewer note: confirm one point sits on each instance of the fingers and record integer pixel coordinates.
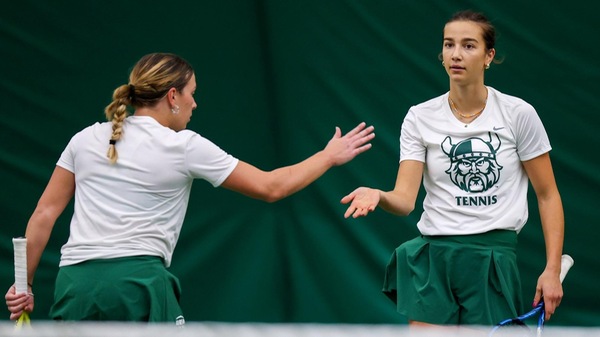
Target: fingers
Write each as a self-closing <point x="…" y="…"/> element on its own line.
<point x="338" y="132"/>
<point x="549" y="308"/>
<point x="16" y="310"/>
<point x="351" y="208"/>
<point x="536" y="298"/>
<point x="363" y="139"/>
<point x="18" y="303"/>
<point x="551" y="304"/>
<point x="360" y="141"/>
<point x="356" y="212"/>
<point x="363" y="201"/>
<point x="550" y="290"/>
<point x="348" y="198"/>
<point x="362" y="149"/>
<point x="10" y="293"/>
<point x="364" y="211"/>
<point x="361" y="133"/>
<point x="343" y="149"/>
<point x="357" y="129"/>
<point x="349" y="212"/>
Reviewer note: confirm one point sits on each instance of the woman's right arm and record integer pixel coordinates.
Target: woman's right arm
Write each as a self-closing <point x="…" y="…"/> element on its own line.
<point x="52" y="203"/>
<point x="400" y="201"/>
<point x="56" y="196"/>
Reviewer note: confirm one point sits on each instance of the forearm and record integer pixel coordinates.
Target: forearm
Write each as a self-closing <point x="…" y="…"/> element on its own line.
<point x="288" y="180"/>
<point x="401" y="201"/>
<point x="52" y="203"/>
<point x="282" y="182"/>
<point x="396" y="203"/>
<point x="552" y="217"/>
<point x="539" y="171"/>
<point x="37" y="233"/>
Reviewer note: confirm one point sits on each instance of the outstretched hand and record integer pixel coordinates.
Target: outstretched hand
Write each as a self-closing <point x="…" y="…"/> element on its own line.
<point x="363" y="200"/>
<point x="343" y="149"/>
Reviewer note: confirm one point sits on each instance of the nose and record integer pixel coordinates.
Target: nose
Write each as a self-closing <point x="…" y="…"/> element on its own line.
<point x="456" y="54"/>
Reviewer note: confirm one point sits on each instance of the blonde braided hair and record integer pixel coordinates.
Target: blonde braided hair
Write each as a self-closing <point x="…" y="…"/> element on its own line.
<point x="149" y="81"/>
<point x="116" y="112"/>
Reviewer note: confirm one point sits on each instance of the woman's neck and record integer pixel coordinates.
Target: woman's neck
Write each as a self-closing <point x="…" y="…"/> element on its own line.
<point x="469" y="97"/>
<point x="467" y="103"/>
<point x="156" y="112"/>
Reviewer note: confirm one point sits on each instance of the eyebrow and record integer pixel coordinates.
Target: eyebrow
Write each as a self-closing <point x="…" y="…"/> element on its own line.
<point x="469" y="39"/>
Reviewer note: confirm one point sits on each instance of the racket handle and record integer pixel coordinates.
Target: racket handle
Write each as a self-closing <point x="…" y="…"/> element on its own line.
<point x="20" y="251"/>
<point x="566" y="262"/>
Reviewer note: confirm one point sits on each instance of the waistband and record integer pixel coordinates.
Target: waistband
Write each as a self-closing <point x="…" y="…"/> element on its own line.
<point x="499" y="237"/>
<point x="124" y="260"/>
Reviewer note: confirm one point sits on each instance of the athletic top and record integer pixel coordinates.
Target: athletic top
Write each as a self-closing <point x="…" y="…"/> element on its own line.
<point x="137" y="205"/>
<point x="473" y="176"/>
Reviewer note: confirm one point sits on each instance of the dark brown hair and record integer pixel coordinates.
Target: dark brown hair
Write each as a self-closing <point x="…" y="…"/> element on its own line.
<point x="489" y="32"/>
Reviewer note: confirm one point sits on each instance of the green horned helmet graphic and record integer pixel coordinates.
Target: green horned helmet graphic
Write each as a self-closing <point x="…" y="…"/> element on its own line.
<point x="473" y="165"/>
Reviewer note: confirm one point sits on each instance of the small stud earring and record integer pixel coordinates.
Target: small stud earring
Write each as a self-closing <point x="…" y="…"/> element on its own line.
<point x="487" y="66"/>
<point x="443" y="64"/>
<point x="175" y="109"/>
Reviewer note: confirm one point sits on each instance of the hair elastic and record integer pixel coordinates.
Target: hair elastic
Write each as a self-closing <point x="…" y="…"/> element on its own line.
<point x="131" y="92"/>
<point x="112" y="141"/>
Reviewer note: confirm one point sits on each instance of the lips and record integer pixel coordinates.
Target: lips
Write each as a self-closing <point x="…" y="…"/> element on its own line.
<point x="456" y="67"/>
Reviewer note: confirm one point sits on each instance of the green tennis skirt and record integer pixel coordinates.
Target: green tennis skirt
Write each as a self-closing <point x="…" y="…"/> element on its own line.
<point x="122" y="289"/>
<point x="463" y="279"/>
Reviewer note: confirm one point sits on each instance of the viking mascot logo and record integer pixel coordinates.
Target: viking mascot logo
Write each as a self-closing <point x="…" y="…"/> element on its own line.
<point x="473" y="165"/>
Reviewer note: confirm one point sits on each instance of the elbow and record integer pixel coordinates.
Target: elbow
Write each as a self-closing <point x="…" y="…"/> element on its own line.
<point x="276" y="188"/>
<point x="273" y="196"/>
<point x="405" y="210"/>
<point x="409" y="209"/>
<point x="42" y="220"/>
<point x="270" y="192"/>
<point x="270" y="198"/>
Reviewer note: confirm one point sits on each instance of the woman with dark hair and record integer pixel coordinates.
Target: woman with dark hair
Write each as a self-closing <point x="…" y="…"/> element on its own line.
<point x="475" y="149"/>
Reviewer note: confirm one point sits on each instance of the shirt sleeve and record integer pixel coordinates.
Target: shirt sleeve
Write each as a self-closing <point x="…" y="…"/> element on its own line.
<point x="67" y="157"/>
<point x="411" y="142"/>
<point x="532" y="139"/>
<point x="205" y="160"/>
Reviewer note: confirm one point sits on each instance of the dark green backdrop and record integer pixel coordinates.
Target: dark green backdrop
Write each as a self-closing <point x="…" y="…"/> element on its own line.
<point x="274" y="79"/>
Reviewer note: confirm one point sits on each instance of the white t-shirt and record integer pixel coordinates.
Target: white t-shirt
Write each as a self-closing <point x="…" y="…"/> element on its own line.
<point x="136" y="206"/>
<point x="473" y="177"/>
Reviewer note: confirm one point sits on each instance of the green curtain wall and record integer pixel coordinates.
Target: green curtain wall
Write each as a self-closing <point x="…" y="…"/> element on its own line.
<point x="274" y="79"/>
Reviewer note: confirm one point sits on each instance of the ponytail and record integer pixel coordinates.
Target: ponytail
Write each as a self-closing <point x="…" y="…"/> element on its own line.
<point x="116" y="112"/>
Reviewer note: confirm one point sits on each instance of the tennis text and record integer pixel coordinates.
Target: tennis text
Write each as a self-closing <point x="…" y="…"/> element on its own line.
<point x="476" y="201"/>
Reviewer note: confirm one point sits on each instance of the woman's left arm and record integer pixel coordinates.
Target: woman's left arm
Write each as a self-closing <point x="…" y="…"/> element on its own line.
<point x="540" y="173"/>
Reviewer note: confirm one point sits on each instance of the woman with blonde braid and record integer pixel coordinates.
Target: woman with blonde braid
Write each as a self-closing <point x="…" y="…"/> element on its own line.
<point x="129" y="207"/>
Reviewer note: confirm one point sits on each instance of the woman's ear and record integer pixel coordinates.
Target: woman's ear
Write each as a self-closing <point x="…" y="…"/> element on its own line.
<point x="171" y="96"/>
<point x="490" y="55"/>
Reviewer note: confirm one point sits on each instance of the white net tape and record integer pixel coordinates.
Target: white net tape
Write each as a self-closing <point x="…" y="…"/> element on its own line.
<point x="208" y="329"/>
